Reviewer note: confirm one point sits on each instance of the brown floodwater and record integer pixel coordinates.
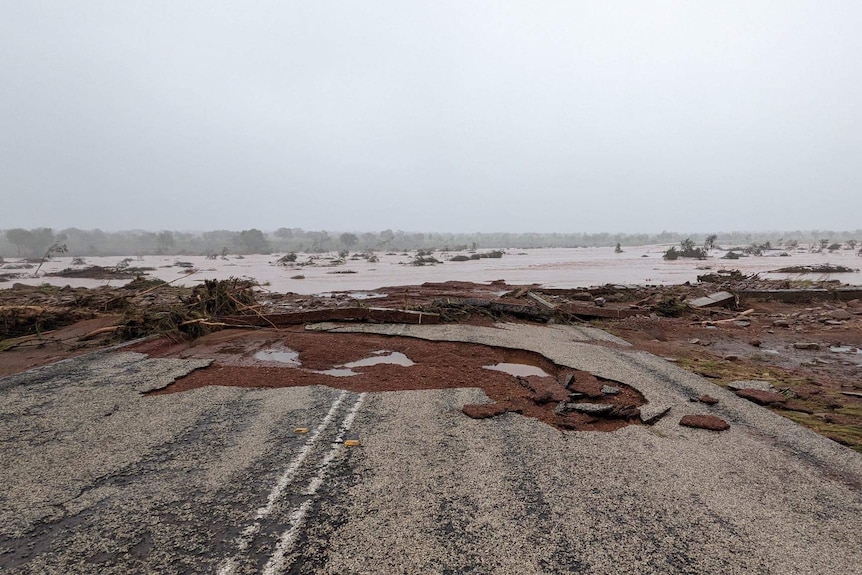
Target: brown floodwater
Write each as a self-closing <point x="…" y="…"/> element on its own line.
<point x="553" y="267"/>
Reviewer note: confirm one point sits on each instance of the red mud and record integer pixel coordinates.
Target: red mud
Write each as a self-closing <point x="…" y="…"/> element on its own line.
<point x="821" y="386"/>
<point x="438" y="365"/>
<point x="761" y="397"/>
<point x="705" y="422"/>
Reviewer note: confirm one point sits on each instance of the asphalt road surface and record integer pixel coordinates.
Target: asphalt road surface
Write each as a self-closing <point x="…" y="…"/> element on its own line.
<point x="98" y="478"/>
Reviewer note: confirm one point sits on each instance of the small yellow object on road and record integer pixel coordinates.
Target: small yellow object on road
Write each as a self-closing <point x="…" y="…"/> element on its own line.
<point x="301" y="430"/>
<point x="352" y="443"/>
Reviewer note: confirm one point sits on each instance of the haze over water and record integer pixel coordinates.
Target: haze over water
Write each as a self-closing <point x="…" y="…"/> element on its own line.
<point x="555" y="267"/>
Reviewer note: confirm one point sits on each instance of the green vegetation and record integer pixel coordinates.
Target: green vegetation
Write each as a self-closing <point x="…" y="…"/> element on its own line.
<point x="287" y="258"/>
<point x="687" y="250"/>
<point x="709" y="242"/>
<point x="33" y="243"/>
<point x="757" y="249"/>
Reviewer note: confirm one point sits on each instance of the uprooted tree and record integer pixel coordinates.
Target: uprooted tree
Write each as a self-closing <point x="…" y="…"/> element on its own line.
<point x="687" y="250"/>
<point x="709" y="242"/>
<point x="56" y="248"/>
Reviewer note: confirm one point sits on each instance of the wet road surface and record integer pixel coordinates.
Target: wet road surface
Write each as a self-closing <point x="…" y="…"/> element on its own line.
<point x="99" y="478"/>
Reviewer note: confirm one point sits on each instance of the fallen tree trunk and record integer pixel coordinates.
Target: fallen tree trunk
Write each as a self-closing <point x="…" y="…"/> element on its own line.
<point x="588" y="311"/>
<point x="367" y="314"/>
<point x="517" y="310"/>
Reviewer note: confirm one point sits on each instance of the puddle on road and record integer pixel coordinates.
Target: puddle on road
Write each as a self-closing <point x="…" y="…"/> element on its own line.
<point x="380" y="357"/>
<point x="518" y="369"/>
<point x="285" y="355"/>
<point x="338" y="372"/>
<point x="393" y="357"/>
<point x="290" y="358"/>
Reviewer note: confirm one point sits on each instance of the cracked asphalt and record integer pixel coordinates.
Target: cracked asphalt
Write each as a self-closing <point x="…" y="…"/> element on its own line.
<point x="100" y="478"/>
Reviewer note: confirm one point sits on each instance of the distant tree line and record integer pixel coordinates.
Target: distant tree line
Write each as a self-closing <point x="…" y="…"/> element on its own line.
<point x="33" y="243"/>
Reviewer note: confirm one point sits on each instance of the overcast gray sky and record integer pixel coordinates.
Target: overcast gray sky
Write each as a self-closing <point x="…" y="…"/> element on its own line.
<point x="618" y="116"/>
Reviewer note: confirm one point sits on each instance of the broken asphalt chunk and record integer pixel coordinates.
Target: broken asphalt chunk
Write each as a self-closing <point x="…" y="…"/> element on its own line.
<point x="652" y="413"/>
<point x="750" y="384"/>
<point x="721" y="298"/>
<point x="588" y="408"/>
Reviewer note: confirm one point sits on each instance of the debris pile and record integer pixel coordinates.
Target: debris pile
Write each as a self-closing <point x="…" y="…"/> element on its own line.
<point x="29" y="314"/>
<point x="196" y="313"/>
<point x="103" y="273"/>
<point x="815" y="269"/>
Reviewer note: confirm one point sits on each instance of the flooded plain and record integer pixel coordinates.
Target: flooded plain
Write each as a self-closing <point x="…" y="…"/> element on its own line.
<point x="552" y="267"/>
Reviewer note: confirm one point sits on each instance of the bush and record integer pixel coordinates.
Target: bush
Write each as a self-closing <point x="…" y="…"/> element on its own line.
<point x="687" y="250"/>
<point x="757" y="249"/>
<point x="425" y="260"/>
<point x="286" y="259"/>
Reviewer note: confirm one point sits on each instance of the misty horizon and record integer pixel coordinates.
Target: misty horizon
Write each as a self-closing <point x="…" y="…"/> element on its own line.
<point x="549" y="117"/>
<point x="76" y="242"/>
<point x="811" y="231"/>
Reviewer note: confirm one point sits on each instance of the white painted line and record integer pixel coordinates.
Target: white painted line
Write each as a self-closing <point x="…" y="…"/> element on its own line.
<point x="228" y="566"/>
<point x="292" y="468"/>
<point x="285" y="542"/>
<point x="276" y="565"/>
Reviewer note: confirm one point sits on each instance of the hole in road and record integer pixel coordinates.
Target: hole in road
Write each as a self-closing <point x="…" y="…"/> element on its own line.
<point x="515" y="381"/>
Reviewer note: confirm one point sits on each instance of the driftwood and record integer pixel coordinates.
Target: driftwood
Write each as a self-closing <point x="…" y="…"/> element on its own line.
<point x="370" y="314"/>
<point x="204" y="321"/>
<point x="588" y="311"/>
<point x="542" y="301"/>
<point x="35" y="308"/>
<point x="100" y="331"/>
<point x="741" y="316"/>
<point x="517" y="310"/>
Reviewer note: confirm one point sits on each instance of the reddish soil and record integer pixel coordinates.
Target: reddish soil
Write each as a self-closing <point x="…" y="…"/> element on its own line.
<point x="438" y="365"/>
<point x="710" y="422"/>
<point x="55" y="345"/>
<point x="812" y="382"/>
<point x="761" y="397"/>
<point x="821" y="387"/>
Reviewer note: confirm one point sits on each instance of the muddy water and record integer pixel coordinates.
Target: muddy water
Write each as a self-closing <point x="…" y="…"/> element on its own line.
<point x="381" y="357"/>
<point x="558" y="267"/>
<point x="518" y="369"/>
<point x="286" y="356"/>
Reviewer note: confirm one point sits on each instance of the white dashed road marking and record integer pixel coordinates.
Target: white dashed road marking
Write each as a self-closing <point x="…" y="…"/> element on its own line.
<point x="297" y="515"/>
